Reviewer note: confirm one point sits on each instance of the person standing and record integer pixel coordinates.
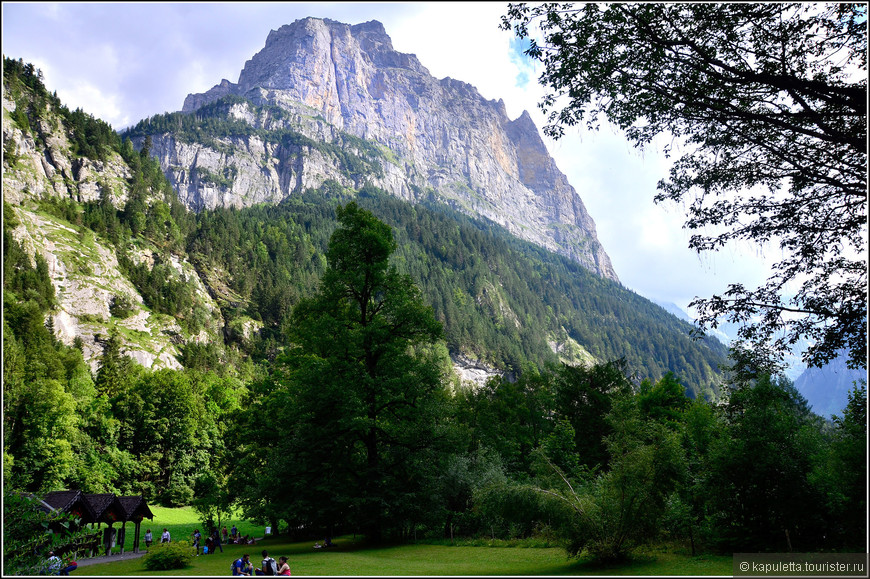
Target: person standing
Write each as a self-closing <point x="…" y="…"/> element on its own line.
<point x="196" y="538"/>
<point x="234" y="532"/>
<point x="225" y="536"/>
<point x="217" y="540"/>
<point x="165" y="537"/>
<point x="149" y="538"/>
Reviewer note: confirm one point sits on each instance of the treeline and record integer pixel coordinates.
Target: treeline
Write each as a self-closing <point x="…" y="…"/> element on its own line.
<point x="349" y="433"/>
<point x="607" y="468"/>
<point x="759" y="472"/>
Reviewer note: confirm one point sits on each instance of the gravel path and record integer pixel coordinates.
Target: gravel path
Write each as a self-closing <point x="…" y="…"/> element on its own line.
<point x="109" y="559"/>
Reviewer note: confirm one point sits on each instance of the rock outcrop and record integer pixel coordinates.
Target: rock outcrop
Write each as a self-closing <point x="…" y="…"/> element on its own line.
<point x="38" y="166"/>
<point x="433" y="136"/>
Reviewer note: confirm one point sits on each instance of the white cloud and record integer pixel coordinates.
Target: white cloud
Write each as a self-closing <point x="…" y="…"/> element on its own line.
<point x="96" y="102"/>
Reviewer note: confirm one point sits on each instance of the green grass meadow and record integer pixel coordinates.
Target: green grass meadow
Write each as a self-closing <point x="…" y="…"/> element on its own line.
<point x="180" y="522"/>
<point x="351" y="557"/>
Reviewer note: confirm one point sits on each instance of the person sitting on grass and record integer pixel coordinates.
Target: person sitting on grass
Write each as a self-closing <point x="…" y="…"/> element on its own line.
<point x="327" y="542"/>
<point x="268" y="567"/>
<point x="283" y="567"/>
<point x="70" y="566"/>
<point x="242" y="565"/>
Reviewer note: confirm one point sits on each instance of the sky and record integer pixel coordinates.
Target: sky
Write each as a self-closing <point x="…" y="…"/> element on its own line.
<point x="122" y="62"/>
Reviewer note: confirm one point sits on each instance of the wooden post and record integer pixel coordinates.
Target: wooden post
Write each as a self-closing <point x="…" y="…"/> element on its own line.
<point x="136" y="536"/>
<point x="95" y="545"/>
<point x="108" y="535"/>
<point x="122" y="535"/>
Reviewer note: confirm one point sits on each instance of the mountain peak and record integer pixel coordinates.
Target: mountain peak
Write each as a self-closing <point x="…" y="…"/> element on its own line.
<point x="371" y="27"/>
<point x="442" y="135"/>
<point x="321" y="41"/>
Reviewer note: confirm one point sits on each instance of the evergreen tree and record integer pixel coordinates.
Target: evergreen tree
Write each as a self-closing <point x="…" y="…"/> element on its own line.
<point x="363" y="391"/>
<point x="113" y="375"/>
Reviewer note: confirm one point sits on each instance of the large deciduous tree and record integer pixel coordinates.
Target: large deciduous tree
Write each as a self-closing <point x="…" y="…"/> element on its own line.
<point x="768" y="104"/>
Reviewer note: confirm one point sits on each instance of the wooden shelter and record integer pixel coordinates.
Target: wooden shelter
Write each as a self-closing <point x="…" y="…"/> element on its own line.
<point x="108" y="510"/>
<point x="135" y="509"/>
<point x="98" y="508"/>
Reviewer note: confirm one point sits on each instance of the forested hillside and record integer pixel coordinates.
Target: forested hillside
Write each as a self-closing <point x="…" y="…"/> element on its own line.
<point x="504" y="302"/>
<point x="501" y="300"/>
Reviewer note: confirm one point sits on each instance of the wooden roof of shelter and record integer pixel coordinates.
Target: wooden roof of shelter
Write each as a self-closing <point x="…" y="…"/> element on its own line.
<point x="135" y="508"/>
<point x="98" y="507"/>
<point x="62" y="500"/>
<point x="40" y="504"/>
<point x="71" y="502"/>
<point x="106" y="507"/>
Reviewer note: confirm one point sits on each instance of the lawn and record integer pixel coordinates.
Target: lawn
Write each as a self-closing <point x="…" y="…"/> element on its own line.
<point x="349" y="557"/>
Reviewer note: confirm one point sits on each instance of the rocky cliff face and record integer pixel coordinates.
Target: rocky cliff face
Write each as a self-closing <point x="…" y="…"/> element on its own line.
<point x="39" y="165"/>
<point x="433" y="135"/>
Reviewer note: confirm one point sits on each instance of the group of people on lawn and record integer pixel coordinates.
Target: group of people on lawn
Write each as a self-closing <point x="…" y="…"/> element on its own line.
<point x="213" y="542"/>
<point x="243" y="566"/>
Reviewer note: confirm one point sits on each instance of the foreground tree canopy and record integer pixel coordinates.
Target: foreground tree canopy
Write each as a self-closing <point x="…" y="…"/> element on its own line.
<point x="769" y="104"/>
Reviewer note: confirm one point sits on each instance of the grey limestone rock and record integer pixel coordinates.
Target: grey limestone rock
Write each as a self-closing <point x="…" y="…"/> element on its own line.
<point x="437" y="135"/>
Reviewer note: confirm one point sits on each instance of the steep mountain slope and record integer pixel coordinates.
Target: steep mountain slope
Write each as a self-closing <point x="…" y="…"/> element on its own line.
<point x="506" y="304"/>
<point x="337" y="84"/>
<point x="60" y="170"/>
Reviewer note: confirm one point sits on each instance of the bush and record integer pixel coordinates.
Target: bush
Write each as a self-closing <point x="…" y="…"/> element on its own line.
<point x="121" y="306"/>
<point x="162" y="556"/>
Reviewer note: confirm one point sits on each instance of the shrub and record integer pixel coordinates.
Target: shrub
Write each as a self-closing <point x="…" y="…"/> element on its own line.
<point x="162" y="556"/>
<point x="121" y="306"/>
